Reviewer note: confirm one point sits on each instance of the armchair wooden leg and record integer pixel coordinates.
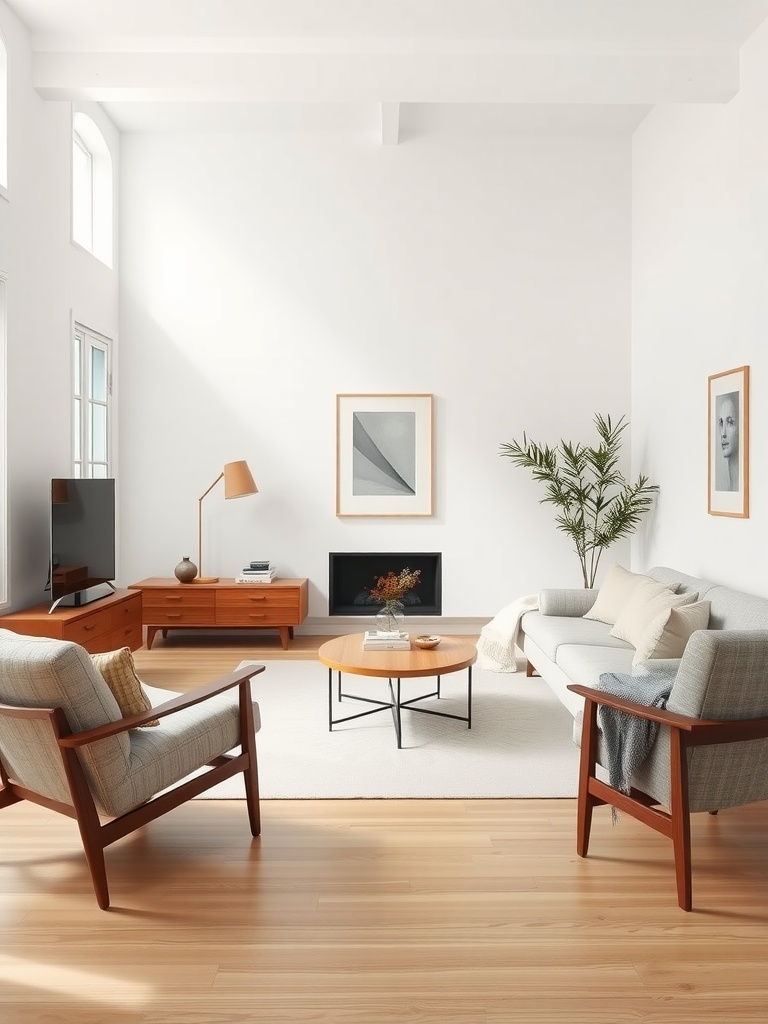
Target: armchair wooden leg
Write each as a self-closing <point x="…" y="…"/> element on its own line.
<point x="681" y="818"/>
<point x="587" y="761"/>
<point x="529" y="670"/>
<point x="90" y="827"/>
<point x="248" y="746"/>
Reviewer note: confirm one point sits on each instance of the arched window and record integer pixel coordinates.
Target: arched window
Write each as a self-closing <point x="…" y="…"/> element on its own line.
<point x="92" y="200"/>
<point x="3" y="115"/>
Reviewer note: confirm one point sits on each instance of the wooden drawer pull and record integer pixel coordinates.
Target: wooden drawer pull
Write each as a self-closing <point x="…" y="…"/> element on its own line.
<point x="174" y="615"/>
<point x="260" y="597"/>
<point x="89" y="626"/>
<point x="173" y="597"/>
<point x="254" y="615"/>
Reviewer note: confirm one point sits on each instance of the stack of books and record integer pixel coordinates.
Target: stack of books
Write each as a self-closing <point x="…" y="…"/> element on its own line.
<point x="257" y="572"/>
<point x="376" y="640"/>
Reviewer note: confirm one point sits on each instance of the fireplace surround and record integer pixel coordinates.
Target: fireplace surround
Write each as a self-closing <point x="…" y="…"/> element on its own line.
<point x="351" y="574"/>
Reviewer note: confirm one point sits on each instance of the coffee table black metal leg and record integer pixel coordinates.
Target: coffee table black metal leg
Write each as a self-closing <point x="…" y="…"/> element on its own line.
<point x="330" y="699"/>
<point x="469" y="696"/>
<point x="395" y="705"/>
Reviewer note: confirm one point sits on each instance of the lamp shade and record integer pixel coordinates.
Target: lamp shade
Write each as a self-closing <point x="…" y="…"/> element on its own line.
<point x="238" y="480"/>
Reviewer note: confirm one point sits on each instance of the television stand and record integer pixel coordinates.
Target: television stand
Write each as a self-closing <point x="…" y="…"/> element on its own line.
<point x="85" y="596"/>
<point x="105" y="625"/>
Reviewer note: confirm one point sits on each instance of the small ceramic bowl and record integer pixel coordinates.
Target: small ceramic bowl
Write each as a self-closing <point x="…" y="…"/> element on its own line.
<point x="426" y="643"/>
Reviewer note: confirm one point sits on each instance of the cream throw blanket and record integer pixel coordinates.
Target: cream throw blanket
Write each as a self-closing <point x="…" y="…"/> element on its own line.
<point x="496" y="645"/>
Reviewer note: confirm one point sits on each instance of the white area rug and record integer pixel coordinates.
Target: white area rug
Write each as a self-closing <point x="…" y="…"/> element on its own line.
<point x="520" y="743"/>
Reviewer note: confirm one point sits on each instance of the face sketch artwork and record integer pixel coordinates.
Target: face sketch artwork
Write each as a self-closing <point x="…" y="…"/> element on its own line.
<point x="727" y="433"/>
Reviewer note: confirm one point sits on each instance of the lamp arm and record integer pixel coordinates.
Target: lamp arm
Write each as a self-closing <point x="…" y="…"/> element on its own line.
<point x="211" y="487"/>
<point x="200" y="525"/>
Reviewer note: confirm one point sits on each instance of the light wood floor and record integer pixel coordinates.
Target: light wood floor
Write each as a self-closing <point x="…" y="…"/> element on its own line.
<point x="378" y="912"/>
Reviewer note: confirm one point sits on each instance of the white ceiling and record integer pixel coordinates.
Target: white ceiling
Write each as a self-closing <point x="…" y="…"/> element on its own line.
<point x="471" y="65"/>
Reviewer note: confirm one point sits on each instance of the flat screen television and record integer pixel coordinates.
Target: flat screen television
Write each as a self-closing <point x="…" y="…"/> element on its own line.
<point x="82" y="561"/>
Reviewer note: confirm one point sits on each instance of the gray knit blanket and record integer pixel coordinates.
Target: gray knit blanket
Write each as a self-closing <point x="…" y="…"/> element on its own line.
<point x="628" y="739"/>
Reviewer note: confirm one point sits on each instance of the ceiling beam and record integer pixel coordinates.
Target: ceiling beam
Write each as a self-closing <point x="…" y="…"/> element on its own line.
<point x="436" y="77"/>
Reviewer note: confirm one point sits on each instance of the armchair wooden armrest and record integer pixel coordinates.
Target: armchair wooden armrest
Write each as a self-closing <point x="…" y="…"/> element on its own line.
<point x="168" y="707"/>
<point x="702" y="731"/>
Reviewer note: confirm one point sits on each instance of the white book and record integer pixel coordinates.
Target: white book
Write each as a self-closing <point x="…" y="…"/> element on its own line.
<point x="387" y="645"/>
<point x="256" y="581"/>
<point x="378" y="634"/>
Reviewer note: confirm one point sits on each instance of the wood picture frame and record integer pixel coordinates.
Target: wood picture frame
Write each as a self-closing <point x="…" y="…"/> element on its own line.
<point x="728" y="444"/>
<point x="384" y="455"/>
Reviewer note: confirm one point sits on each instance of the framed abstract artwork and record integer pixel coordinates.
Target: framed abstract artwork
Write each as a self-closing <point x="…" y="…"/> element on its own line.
<point x="384" y="455"/>
<point x="728" y="431"/>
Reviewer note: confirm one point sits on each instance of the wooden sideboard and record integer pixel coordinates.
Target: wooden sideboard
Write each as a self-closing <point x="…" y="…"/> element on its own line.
<point x="167" y="604"/>
<point x="103" y="625"/>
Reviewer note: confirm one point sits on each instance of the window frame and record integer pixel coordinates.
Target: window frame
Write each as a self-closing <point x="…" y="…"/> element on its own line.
<point x="84" y="342"/>
<point x="88" y="137"/>
<point x="82" y="193"/>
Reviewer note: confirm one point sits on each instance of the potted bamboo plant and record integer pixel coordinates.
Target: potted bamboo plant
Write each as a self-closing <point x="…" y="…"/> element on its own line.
<point x="596" y="504"/>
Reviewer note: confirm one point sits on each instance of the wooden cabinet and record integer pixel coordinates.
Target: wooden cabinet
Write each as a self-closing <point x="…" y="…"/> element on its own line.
<point x="103" y="625"/>
<point x="168" y="604"/>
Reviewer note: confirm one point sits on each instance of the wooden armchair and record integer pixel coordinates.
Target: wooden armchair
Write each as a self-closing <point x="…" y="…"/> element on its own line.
<point x="64" y="744"/>
<point x="711" y="751"/>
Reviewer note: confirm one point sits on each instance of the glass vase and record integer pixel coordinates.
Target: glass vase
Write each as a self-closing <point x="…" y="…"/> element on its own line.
<point x="390" y="617"/>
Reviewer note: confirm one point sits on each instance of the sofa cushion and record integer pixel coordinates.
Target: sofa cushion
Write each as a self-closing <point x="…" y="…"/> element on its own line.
<point x="585" y="665"/>
<point x="616" y="590"/>
<point x="649" y="600"/>
<point x="668" y="634"/>
<point x="549" y="632"/>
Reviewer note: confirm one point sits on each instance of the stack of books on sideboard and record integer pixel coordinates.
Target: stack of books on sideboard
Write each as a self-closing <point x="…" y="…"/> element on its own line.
<point x="257" y="572"/>
<point x="378" y="640"/>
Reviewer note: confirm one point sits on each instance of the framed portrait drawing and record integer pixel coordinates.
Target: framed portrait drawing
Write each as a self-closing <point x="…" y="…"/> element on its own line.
<point x="728" y="427"/>
<point x="384" y="455"/>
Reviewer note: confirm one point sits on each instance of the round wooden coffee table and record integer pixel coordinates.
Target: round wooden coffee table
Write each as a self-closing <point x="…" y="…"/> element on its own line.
<point x="346" y="654"/>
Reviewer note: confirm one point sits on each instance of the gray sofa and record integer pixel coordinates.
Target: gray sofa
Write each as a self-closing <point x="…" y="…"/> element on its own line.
<point x="565" y="648"/>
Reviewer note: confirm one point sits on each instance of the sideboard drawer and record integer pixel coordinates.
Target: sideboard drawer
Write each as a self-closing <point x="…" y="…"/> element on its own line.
<point x="128" y="635"/>
<point x="85" y="629"/>
<point x="178" y="616"/>
<point x="187" y="598"/>
<point x="127" y="613"/>
<point x="258" y="603"/>
<point x="178" y="607"/>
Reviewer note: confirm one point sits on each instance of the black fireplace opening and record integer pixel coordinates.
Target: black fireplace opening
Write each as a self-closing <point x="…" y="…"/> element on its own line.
<point x="352" y="574"/>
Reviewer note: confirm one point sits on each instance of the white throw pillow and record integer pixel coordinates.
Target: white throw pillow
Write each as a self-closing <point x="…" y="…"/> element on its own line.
<point x="668" y="634"/>
<point x="649" y="600"/>
<point x="617" y="588"/>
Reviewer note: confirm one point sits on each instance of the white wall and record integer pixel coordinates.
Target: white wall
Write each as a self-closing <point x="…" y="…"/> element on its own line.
<point x="49" y="282"/>
<point x="700" y="306"/>
<point x="262" y="274"/>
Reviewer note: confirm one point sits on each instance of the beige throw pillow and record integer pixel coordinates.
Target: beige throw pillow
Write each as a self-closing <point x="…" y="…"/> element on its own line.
<point x="119" y="674"/>
<point x="668" y="634"/>
<point x="616" y="590"/>
<point x="649" y="600"/>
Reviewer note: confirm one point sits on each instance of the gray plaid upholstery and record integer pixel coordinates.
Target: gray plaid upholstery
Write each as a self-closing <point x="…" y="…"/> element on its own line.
<point x="123" y="771"/>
